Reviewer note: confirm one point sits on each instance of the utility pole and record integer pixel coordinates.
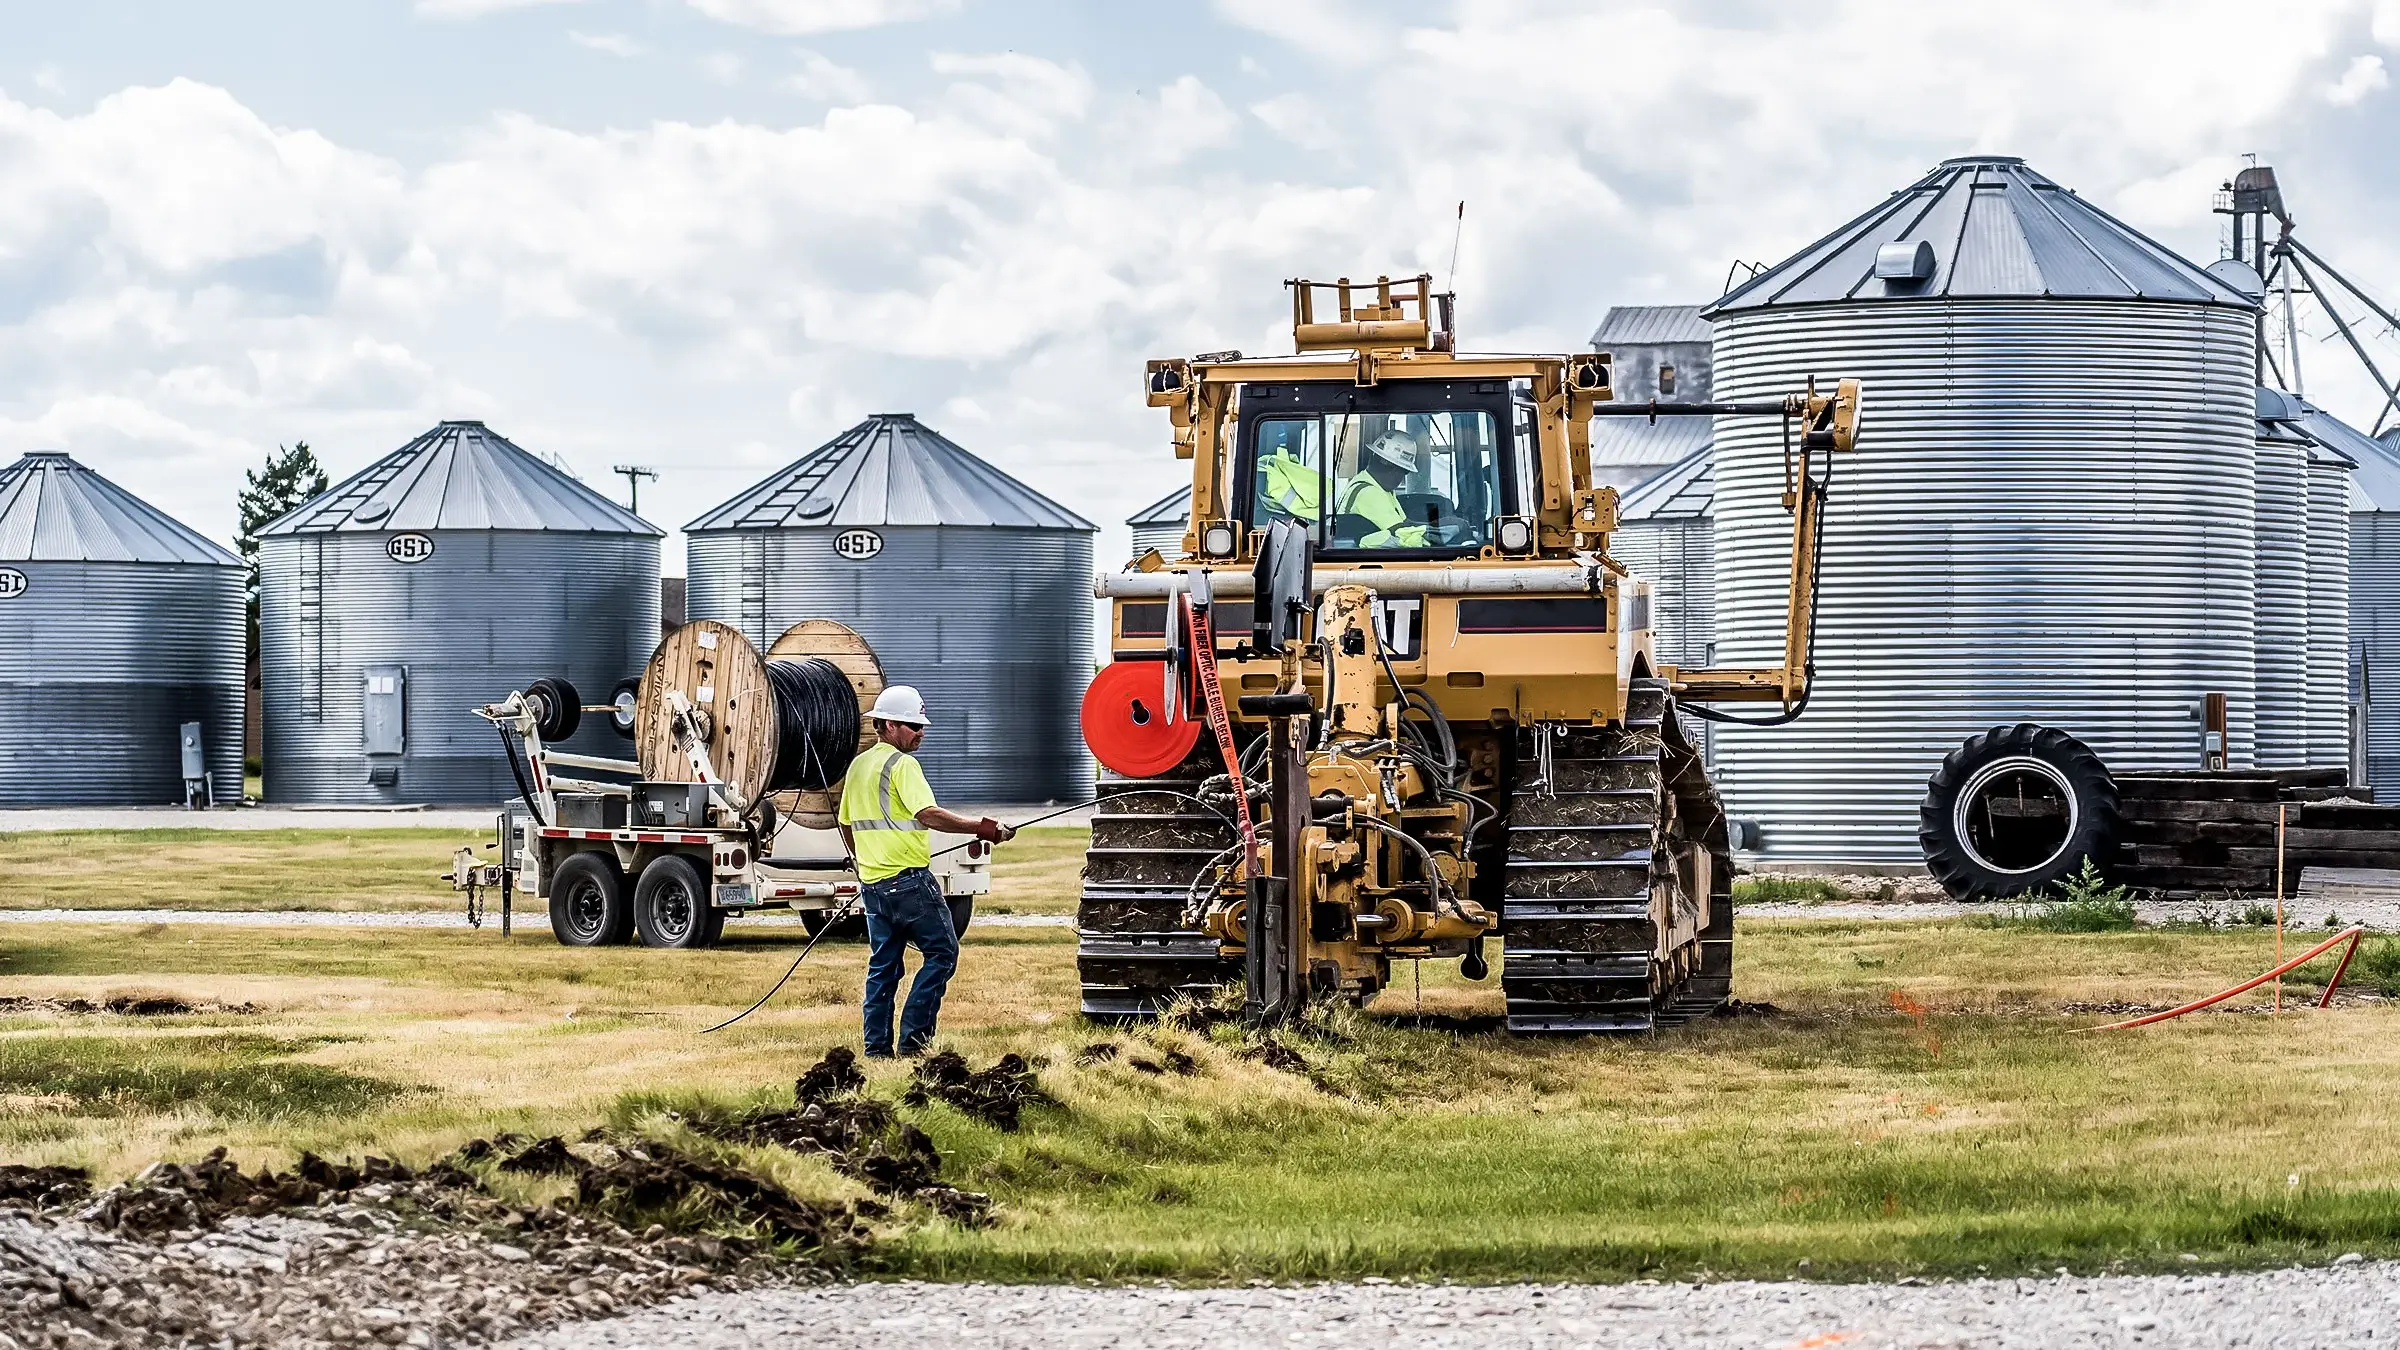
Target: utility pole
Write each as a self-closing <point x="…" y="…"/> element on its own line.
<point x="634" y="474"/>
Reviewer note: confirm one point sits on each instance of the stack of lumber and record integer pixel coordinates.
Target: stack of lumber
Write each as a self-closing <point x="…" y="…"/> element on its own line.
<point x="2195" y="833"/>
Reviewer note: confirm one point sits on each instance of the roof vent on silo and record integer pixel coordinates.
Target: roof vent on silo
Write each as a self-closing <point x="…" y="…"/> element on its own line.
<point x="1993" y="228"/>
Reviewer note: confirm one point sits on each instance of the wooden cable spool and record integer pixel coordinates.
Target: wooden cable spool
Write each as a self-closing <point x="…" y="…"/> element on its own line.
<point x="840" y="644"/>
<point x="722" y="675"/>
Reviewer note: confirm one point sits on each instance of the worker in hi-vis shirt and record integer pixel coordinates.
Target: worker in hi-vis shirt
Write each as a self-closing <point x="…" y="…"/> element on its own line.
<point x="888" y="816"/>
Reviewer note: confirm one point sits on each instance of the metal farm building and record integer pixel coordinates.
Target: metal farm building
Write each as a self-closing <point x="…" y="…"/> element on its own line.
<point x="118" y="625"/>
<point x="2051" y="517"/>
<point x="970" y="585"/>
<point x="1161" y="525"/>
<point x="446" y="574"/>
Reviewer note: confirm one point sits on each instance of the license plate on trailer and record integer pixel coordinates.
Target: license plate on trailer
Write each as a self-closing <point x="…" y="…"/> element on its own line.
<point x="735" y="895"/>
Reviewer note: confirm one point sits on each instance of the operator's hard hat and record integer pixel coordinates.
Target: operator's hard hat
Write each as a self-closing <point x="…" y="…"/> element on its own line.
<point x="899" y="703"/>
<point x="1396" y="448"/>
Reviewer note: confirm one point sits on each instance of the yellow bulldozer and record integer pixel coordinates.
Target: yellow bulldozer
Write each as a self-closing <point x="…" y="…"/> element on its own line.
<point x="1395" y="699"/>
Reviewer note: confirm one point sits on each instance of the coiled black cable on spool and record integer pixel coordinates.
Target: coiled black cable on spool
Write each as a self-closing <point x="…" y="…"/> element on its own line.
<point x="816" y="720"/>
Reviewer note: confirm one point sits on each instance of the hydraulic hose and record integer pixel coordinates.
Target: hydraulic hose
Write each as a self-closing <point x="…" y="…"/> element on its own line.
<point x="1820" y="490"/>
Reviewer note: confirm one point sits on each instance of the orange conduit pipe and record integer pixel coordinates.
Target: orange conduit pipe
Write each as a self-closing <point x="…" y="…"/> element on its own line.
<point x="2352" y="933"/>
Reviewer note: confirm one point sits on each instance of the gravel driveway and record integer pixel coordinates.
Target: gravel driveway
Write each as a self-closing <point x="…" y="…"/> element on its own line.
<point x="2320" y="1309"/>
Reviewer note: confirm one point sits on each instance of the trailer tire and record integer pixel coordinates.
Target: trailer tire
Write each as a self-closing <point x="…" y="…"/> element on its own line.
<point x="1978" y="853"/>
<point x="587" y="902"/>
<point x="672" y="906"/>
<point x="557" y="708"/>
<point x="962" y="913"/>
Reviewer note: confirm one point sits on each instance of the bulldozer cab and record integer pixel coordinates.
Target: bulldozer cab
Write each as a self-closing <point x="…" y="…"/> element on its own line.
<point x="1420" y="469"/>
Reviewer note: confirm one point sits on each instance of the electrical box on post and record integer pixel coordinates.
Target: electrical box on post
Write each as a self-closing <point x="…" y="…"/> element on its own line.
<point x="385" y="708"/>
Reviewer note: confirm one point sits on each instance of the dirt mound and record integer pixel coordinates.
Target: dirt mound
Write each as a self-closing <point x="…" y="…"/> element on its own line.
<point x="168" y="1197"/>
<point x="43" y="1187"/>
<point x="1276" y="1055"/>
<point x="542" y="1158"/>
<point x="835" y="1075"/>
<point x="865" y="1140"/>
<point x="997" y="1095"/>
<point x="121" y="1005"/>
<point x="1098" y="1052"/>
<point x="647" y="1181"/>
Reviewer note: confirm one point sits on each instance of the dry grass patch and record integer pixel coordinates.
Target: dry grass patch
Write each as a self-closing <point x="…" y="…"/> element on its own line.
<point x="230" y="869"/>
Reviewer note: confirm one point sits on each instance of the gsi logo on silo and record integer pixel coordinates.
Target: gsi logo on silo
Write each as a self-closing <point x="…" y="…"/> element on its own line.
<point x="12" y="583"/>
<point x="409" y="548"/>
<point x="858" y="545"/>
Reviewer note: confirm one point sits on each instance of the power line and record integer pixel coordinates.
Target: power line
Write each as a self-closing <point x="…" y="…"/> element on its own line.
<point x="634" y="474"/>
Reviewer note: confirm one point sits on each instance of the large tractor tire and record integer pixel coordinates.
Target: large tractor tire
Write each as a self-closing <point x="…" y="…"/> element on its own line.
<point x="2016" y="810"/>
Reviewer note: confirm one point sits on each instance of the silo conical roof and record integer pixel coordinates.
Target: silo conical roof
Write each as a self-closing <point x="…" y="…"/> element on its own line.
<point x="1684" y="490"/>
<point x="53" y="509"/>
<point x="1994" y="229"/>
<point x="889" y="470"/>
<point x="460" y="476"/>
<point x="1173" y="509"/>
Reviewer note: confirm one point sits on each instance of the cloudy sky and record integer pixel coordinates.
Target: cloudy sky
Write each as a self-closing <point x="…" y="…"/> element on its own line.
<point x="706" y="235"/>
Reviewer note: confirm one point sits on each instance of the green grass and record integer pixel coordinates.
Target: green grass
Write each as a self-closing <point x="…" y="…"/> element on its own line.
<point x="1919" y="1104"/>
<point x="1783" y="890"/>
<point x="228" y="1076"/>
<point x="231" y="869"/>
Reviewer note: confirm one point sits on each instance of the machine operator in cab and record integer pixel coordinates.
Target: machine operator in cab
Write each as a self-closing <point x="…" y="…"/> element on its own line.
<point x="888" y="817"/>
<point x="1372" y="496"/>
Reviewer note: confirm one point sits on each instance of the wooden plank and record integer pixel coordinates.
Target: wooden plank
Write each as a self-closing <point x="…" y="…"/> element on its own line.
<point x="2329" y="817"/>
<point x="2254" y="813"/>
<point x="2228" y="789"/>
<point x="2230" y="833"/>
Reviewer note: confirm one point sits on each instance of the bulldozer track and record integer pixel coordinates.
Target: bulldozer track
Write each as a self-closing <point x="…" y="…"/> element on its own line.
<point x="1134" y="952"/>
<point x="1617" y="909"/>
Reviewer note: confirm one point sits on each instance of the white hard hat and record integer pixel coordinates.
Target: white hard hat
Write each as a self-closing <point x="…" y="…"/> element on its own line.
<point x="899" y="703"/>
<point x="1396" y="448"/>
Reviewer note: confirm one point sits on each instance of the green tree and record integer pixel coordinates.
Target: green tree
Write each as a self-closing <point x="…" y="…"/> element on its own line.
<point x="289" y="477"/>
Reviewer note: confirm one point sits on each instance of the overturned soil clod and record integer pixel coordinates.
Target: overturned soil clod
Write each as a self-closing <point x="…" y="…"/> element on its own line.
<point x="122" y="1005"/>
<point x="836" y="1075"/>
<point x="865" y="1140"/>
<point x="1276" y="1055"/>
<point x="43" y="1187"/>
<point x="543" y="1158"/>
<point x="997" y="1095"/>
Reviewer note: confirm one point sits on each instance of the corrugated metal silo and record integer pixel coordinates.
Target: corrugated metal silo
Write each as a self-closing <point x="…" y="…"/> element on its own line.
<point x="117" y="626"/>
<point x="2328" y="609"/>
<point x="2375" y="605"/>
<point x="1162" y="523"/>
<point x="442" y="576"/>
<point x="970" y="585"/>
<point x="2283" y="723"/>
<point x="2049" y="517"/>
<point x="1655" y="352"/>
<point x="1666" y="534"/>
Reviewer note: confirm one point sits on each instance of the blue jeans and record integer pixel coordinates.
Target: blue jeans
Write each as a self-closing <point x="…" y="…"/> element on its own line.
<point x="904" y="910"/>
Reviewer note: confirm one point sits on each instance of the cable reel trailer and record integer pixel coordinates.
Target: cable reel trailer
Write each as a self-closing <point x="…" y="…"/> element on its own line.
<point x="731" y="747"/>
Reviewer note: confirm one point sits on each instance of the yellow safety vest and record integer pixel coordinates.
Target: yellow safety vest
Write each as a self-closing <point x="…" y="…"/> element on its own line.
<point x="881" y="795"/>
<point x="1366" y="497"/>
<point x="1288" y="484"/>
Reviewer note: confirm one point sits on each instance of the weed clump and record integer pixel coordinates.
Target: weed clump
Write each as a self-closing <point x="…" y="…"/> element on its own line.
<point x="1781" y="890"/>
<point x="2086" y="902"/>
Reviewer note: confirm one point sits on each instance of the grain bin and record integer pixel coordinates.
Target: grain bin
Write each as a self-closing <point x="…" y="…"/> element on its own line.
<point x="118" y="625"/>
<point x="2049" y="517"/>
<point x="970" y="585"/>
<point x="2282" y="723"/>
<point x="1666" y="535"/>
<point x="1161" y="524"/>
<point x="1656" y="352"/>
<point x="2329" y="472"/>
<point x="442" y="576"/>
<point x="2375" y="606"/>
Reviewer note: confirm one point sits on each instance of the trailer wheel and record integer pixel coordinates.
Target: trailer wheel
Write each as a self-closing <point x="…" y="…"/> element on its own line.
<point x="587" y="902"/>
<point x="622" y="703"/>
<point x="962" y="913"/>
<point x="2015" y="810"/>
<point x="672" y="906"/>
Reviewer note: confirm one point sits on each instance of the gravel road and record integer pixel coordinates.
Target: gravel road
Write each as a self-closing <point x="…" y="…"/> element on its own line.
<point x="2351" y="1305"/>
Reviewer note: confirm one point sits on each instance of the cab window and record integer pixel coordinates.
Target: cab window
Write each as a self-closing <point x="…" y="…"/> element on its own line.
<point x="1380" y="481"/>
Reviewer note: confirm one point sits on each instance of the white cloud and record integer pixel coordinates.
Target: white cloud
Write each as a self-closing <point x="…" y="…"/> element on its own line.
<point x="1297" y="118"/>
<point x="50" y="80"/>
<point x="827" y="81"/>
<point x="722" y="68"/>
<point x="803" y="18"/>
<point x="615" y="44"/>
<point x="476" y="9"/>
<point x="2365" y="75"/>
